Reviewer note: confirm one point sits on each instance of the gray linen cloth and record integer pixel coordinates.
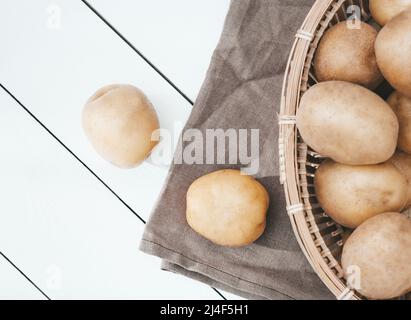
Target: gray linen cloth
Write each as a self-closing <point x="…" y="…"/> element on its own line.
<point x="242" y="89"/>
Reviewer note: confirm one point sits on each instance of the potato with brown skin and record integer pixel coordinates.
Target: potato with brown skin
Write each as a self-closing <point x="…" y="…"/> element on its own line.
<point x="227" y="208"/>
<point x="352" y="194"/>
<point x="344" y="121"/>
<point x="393" y="52"/>
<point x="377" y="257"/>
<point x="347" y="54"/>
<point x="407" y="213"/>
<point x="402" y="161"/>
<point x="119" y="121"/>
<point x="384" y="10"/>
<point x="401" y="105"/>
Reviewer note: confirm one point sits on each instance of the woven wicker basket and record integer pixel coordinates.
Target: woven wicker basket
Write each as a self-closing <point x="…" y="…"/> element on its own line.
<point x="320" y="238"/>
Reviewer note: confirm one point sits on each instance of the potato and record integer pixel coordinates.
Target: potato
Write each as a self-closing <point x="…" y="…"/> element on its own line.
<point x="393" y="52"/>
<point x="119" y="121"/>
<point x="384" y="10"/>
<point x="346" y="234"/>
<point x="407" y="213"/>
<point x="377" y="257"/>
<point x="227" y="208"/>
<point x="401" y="105"/>
<point x="352" y="194"/>
<point x="348" y="123"/>
<point x="402" y="161"/>
<point x="348" y="54"/>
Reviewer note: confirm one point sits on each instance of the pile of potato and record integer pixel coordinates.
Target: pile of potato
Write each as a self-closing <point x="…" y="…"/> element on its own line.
<point x="365" y="183"/>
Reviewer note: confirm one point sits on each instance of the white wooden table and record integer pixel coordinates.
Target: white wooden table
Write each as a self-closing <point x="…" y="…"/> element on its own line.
<point x="62" y="223"/>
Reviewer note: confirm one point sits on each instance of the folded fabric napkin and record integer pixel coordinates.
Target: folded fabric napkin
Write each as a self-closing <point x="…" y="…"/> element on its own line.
<point x="242" y="90"/>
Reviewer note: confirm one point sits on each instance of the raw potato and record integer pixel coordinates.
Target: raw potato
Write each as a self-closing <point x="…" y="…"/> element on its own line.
<point x="384" y="10"/>
<point x="352" y="194"/>
<point x="227" y="208"/>
<point x="379" y="253"/>
<point x="401" y="105"/>
<point x="346" y="234"/>
<point x="119" y="121"/>
<point x="348" y="123"/>
<point x="402" y="161"/>
<point x="407" y="213"/>
<point x="347" y="54"/>
<point x="393" y="52"/>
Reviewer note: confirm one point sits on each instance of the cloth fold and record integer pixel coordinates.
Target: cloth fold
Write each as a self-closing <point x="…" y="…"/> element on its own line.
<point x="242" y="90"/>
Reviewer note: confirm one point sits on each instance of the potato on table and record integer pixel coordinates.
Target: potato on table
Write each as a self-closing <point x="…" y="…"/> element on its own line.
<point x="119" y="121"/>
<point x="347" y="123"/>
<point x="352" y="194"/>
<point x="401" y="105"/>
<point x="227" y="208"/>
<point x="402" y="161"/>
<point x="384" y="10"/>
<point x="377" y="256"/>
<point x="348" y="54"/>
<point x="393" y="52"/>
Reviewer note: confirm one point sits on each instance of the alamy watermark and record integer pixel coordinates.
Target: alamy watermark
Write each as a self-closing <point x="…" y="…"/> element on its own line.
<point x="54" y="279"/>
<point x="53" y="20"/>
<point x="208" y="146"/>
<point x="353" y="17"/>
<point x="353" y="277"/>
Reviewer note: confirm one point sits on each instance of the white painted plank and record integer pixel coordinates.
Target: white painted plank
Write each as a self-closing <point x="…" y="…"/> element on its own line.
<point x="67" y="231"/>
<point x="54" y="71"/>
<point x="178" y="36"/>
<point x="13" y="285"/>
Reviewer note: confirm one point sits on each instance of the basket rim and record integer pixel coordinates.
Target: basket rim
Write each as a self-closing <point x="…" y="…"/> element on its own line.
<point x="317" y="20"/>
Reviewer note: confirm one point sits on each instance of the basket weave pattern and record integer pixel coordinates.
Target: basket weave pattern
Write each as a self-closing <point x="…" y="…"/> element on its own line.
<point x="319" y="237"/>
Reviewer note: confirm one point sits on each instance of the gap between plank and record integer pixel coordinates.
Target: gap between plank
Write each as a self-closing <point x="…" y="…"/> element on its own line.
<point x="84" y="165"/>
<point x="98" y="14"/>
<point x="24" y="275"/>
<point x="118" y="33"/>
<point x="71" y="152"/>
